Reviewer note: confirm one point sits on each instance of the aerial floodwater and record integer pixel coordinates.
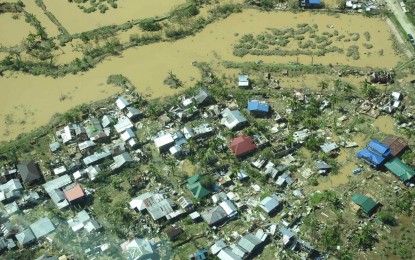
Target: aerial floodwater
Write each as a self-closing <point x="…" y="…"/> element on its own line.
<point x="30" y="101"/>
<point x="226" y="129"/>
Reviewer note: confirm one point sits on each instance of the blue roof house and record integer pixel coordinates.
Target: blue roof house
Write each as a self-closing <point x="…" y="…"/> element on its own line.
<point x="380" y="148"/>
<point x="258" y="107"/>
<point x="310" y="3"/>
<point x="371" y="157"/>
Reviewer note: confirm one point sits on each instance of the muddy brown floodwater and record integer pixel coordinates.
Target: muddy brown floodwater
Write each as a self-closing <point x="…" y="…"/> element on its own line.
<point x="345" y="171"/>
<point x="13" y="31"/>
<point x="75" y="20"/>
<point x="385" y="124"/>
<point x="147" y="66"/>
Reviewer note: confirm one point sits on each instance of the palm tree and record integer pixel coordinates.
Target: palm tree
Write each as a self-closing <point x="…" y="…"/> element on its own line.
<point x="347" y="88"/>
<point x="368" y="89"/>
<point x="323" y="85"/>
<point x="338" y="84"/>
<point x="333" y="100"/>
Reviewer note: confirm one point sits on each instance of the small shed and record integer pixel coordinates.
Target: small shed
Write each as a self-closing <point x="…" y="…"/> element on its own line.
<point x="243" y="81"/>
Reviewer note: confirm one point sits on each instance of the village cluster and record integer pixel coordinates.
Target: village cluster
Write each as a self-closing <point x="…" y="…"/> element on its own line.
<point x="111" y="142"/>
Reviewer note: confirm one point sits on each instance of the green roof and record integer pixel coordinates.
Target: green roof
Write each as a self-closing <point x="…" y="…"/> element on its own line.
<point x="401" y="170"/>
<point x="366" y="203"/>
<point x="198" y="190"/>
<point x="193" y="179"/>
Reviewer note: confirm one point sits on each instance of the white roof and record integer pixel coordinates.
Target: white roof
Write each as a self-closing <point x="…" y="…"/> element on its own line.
<point x="57" y="183"/>
<point x="175" y="149"/>
<point x="66" y="135"/>
<point x="122" y="102"/>
<point x="231" y="118"/>
<point x="119" y="160"/>
<point x="123" y="124"/>
<point x="228" y="254"/>
<point x="229" y="208"/>
<point x="128" y="134"/>
<point x="59" y="170"/>
<point x="138" y="202"/>
<point x="217" y="246"/>
<point x="42" y="227"/>
<point x="132" y="142"/>
<point x="163" y="140"/>
<point x="84" y="145"/>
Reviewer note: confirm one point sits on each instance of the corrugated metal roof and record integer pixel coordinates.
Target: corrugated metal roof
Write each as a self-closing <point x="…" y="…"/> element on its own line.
<point x="366" y="203"/>
<point x="401" y="170"/>
<point x="380" y="148"/>
<point x="256" y="105"/>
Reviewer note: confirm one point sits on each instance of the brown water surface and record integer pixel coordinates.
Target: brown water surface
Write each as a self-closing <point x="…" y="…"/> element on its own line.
<point x="13" y="31"/>
<point x="76" y="21"/>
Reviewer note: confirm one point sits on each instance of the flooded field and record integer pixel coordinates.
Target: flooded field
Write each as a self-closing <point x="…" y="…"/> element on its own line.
<point x="28" y="102"/>
<point x="50" y="28"/>
<point x="345" y="171"/>
<point x="13" y="31"/>
<point x="127" y="10"/>
<point x="147" y="66"/>
<point x="385" y="124"/>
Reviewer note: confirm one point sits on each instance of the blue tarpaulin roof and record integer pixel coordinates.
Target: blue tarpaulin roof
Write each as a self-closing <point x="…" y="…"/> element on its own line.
<point x="379" y="147"/>
<point x="314" y="2"/>
<point x="257" y="106"/>
<point x="371" y="157"/>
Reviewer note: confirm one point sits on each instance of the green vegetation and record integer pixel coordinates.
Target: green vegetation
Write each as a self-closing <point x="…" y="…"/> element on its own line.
<point x="272" y="42"/>
<point x="90" y="6"/>
<point x="330" y="237"/>
<point x="7" y="7"/>
<point x="173" y="81"/>
<point x="149" y="25"/>
<point x="365" y="238"/>
<point x="387" y="217"/>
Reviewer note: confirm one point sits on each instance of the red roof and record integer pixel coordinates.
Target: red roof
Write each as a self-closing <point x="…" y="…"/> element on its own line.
<point x="75" y="193"/>
<point x="242" y="144"/>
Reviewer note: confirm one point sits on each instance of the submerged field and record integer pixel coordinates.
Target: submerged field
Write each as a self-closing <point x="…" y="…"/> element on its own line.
<point x="147" y="66"/>
<point x="127" y="10"/>
<point x="13" y="30"/>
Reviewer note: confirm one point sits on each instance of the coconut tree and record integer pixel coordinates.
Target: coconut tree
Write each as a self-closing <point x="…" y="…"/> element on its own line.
<point x="323" y="85"/>
<point x="368" y="89"/>
<point x="334" y="99"/>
